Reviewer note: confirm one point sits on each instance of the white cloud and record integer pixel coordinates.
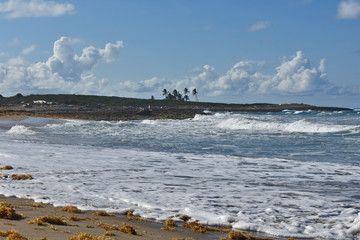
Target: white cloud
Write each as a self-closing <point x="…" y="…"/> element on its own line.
<point x="349" y="9"/>
<point x="294" y="76"/>
<point x="258" y="26"/>
<point x="27" y="51"/>
<point x="34" y="8"/>
<point x="64" y="71"/>
<point x="2" y="54"/>
<point x="67" y="72"/>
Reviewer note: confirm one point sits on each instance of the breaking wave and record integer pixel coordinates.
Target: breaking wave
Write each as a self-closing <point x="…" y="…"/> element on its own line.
<point x="300" y="126"/>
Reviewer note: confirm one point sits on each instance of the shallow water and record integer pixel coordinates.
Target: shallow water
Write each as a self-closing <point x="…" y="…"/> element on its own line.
<point x="288" y="174"/>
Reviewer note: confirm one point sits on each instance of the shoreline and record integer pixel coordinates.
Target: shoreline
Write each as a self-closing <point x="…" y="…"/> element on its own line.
<point x="105" y="226"/>
<point x="87" y="223"/>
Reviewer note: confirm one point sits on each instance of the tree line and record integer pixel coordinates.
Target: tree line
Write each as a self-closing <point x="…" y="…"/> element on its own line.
<point x="176" y="95"/>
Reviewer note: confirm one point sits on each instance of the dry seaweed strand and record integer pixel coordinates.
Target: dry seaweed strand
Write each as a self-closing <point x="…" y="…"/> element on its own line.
<point x="130" y="216"/>
<point x="170" y="225"/>
<point x="36" y="205"/>
<point x="12" y="235"/>
<point x="126" y="228"/>
<point x="102" y="213"/>
<point x="71" y="209"/>
<point x="108" y="233"/>
<point x="87" y="236"/>
<point x="7" y="211"/>
<point x="108" y="227"/>
<point x="195" y="227"/>
<point x="170" y="222"/>
<point x="237" y="235"/>
<point x="168" y="228"/>
<point x="46" y="220"/>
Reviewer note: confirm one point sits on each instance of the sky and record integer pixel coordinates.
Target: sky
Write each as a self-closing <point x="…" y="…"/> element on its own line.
<point x="231" y="51"/>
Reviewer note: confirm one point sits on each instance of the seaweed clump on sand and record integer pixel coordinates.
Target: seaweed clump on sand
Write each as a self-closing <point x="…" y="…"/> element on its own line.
<point x="126" y="228"/>
<point x="102" y="213"/>
<point x="237" y="235"/>
<point x="12" y="235"/>
<point x="87" y="236"/>
<point x="7" y="211"/>
<point x="170" y="225"/>
<point x="108" y="227"/>
<point x="71" y="209"/>
<point x="195" y="227"/>
<point x="130" y="216"/>
<point x="46" y="220"/>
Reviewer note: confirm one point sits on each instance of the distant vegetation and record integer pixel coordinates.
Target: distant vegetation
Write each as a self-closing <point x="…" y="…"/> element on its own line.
<point x="176" y="95"/>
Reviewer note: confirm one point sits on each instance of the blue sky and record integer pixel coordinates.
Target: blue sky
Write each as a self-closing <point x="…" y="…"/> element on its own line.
<point x="234" y="51"/>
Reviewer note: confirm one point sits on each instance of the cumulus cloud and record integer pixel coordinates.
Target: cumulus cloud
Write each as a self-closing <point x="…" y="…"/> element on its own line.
<point x="259" y="26"/>
<point x="294" y="76"/>
<point x="27" y="51"/>
<point x="349" y="9"/>
<point x="34" y="8"/>
<point x="64" y="71"/>
<point x="68" y="72"/>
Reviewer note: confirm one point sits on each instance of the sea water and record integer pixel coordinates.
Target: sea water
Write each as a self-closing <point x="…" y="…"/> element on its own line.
<point x="293" y="173"/>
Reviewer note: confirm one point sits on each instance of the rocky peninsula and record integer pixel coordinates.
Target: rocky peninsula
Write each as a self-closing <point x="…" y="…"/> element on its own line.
<point x="91" y="107"/>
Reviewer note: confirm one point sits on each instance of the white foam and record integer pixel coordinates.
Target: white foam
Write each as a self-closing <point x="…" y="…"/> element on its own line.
<point x="301" y="126"/>
<point x="20" y="129"/>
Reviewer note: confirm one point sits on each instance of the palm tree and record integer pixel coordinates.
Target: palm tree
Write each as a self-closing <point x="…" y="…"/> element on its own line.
<point x="165" y="92"/>
<point x="186" y="97"/>
<point x="195" y="93"/>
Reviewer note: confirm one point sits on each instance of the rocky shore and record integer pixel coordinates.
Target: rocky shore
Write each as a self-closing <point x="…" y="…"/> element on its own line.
<point x="116" y="108"/>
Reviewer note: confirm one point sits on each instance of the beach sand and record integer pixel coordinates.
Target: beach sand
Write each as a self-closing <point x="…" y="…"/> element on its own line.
<point x="87" y="223"/>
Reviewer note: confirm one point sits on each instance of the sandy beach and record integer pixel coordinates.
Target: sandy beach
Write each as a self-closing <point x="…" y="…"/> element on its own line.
<point x="86" y="222"/>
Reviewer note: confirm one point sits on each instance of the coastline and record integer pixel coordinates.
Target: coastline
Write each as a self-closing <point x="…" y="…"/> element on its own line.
<point x="87" y="223"/>
<point x="116" y="108"/>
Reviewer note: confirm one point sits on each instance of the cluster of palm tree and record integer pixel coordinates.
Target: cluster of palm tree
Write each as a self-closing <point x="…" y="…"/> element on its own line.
<point x="176" y="95"/>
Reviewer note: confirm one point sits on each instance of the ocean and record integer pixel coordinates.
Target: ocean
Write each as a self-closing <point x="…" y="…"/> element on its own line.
<point x="291" y="173"/>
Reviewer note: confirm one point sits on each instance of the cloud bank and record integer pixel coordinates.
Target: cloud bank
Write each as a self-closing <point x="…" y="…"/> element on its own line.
<point x="68" y="72"/>
<point x="349" y="9"/>
<point x="294" y="76"/>
<point x="64" y="71"/>
<point x="34" y="8"/>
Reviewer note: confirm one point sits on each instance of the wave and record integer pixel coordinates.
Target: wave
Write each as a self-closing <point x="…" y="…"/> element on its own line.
<point x="300" y="126"/>
<point x="20" y="130"/>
